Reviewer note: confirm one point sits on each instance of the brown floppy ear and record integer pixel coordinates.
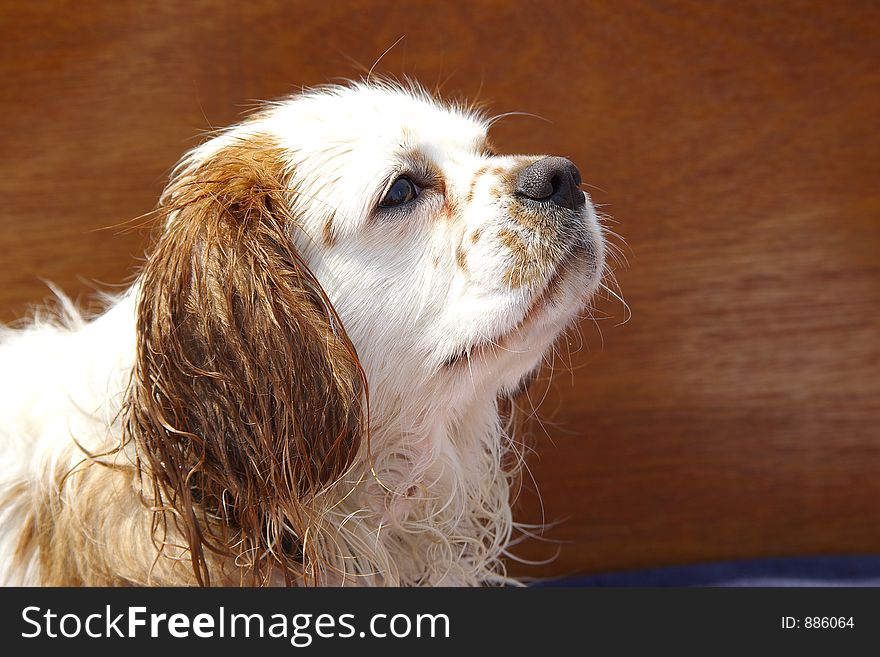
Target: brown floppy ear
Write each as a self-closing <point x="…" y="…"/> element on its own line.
<point x="247" y="397"/>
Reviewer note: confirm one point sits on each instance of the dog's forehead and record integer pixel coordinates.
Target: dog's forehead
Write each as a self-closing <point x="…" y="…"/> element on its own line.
<point x="377" y="118"/>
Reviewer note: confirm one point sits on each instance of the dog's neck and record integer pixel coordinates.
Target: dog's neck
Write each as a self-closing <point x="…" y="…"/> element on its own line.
<point x="431" y="475"/>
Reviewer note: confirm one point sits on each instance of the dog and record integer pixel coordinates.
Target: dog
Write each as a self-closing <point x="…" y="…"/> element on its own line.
<point x="306" y="382"/>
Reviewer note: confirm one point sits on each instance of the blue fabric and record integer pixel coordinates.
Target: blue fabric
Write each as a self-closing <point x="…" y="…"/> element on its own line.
<point x="862" y="570"/>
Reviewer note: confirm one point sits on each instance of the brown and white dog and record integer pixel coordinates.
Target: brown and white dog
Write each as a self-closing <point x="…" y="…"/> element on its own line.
<point x="302" y="386"/>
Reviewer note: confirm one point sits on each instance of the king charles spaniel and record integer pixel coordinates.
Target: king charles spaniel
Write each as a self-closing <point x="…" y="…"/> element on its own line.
<point x="305" y="383"/>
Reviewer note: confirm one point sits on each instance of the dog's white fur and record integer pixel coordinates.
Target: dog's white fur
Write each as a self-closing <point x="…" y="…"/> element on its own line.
<point x="425" y="295"/>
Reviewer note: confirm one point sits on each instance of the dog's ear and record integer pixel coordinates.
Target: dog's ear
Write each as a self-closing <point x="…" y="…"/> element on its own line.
<point x="247" y="398"/>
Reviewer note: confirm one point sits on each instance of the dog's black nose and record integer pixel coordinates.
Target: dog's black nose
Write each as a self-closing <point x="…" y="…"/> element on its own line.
<point x="552" y="180"/>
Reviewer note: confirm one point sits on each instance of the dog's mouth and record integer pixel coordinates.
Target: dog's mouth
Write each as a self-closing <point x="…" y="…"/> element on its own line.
<point x="570" y="266"/>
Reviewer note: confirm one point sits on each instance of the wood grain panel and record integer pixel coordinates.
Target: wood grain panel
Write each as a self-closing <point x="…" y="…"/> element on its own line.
<point x="735" y="145"/>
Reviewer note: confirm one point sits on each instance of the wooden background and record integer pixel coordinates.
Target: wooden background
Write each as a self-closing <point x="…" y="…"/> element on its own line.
<point x="737" y="413"/>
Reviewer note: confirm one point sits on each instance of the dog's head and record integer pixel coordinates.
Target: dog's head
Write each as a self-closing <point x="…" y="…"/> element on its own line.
<point x="344" y="240"/>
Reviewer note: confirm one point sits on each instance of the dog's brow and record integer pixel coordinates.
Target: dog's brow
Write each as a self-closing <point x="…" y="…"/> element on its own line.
<point x="420" y="164"/>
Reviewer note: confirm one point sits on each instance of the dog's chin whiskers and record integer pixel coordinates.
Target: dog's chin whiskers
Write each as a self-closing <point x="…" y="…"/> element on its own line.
<point x="616" y="296"/>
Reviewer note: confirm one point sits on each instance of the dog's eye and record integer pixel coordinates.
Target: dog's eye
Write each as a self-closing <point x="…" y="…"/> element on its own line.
<point x="402" y="191"/>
